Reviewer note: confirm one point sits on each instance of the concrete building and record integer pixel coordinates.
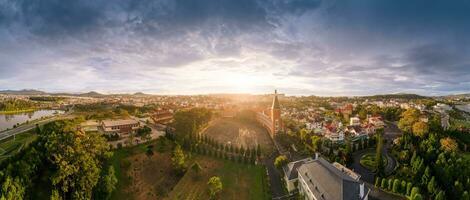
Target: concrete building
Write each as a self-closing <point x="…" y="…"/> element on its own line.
<point x="317" y="179"/>
<point x="121" y="127"/>
<point x="162" y="116"/>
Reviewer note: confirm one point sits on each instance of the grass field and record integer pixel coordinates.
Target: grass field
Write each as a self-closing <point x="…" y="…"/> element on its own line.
<point x="456" y="123"/>
<point x="368" y="161"/>
<point x="466" y="156"/>
<point x="141" y="176"/>
<point x="239" y="133"/>
<point x="152" y="177"/>
<point x="240" y="181"/>
<point x="12" y="145"/>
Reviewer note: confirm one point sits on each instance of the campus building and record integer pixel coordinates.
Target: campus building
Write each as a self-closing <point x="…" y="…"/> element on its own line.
<point x="317" y="179"/>
<point x="271" y="119"/>
<point x="162" y="116"/>
<point x="121" y="127"/>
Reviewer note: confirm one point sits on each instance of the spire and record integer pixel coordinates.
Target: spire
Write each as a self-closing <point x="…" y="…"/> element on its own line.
<point x="275" y="101"/>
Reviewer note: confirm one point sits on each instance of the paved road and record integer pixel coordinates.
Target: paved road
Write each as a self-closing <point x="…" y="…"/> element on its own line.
<point x="26" y="127"/>
<point x="277" y="189"/>
<point x="390" y="133"/>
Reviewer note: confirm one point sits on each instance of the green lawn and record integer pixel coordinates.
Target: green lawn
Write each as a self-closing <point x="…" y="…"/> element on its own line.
<point x="368" y="161"/>
<point x="457" y="123"/>
<point x="240" y="181"/>
<point x="12" y="145"/>
<point x="466" y="156"/>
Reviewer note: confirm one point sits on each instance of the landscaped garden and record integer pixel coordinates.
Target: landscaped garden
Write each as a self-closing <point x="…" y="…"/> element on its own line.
<point x="368" y="161"/>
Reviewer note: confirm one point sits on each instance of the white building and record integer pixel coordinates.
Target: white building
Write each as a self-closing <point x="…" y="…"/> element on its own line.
<point x="354" y="121"/>
<point x="317" y="179"/>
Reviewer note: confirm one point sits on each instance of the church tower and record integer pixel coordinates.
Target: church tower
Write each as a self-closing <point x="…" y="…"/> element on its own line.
<point x="276" y="115"/>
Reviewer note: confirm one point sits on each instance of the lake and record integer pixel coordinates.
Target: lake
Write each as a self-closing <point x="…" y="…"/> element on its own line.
<point x="8" y="120"/>
<point x="465" y="107"/>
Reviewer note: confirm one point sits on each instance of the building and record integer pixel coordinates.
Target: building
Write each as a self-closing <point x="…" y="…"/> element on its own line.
<point x="291" y="175"/>
<point x="355" y="121"/>
<point x="162" y="116"/>
<point x="89" y="126"/>
<point x="317" y="179"/>
<point x="120" y="127"/>
<point x="271" y="120"/>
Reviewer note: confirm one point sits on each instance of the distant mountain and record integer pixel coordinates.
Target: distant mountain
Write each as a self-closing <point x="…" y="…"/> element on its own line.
<point x="140" y="94"/>
<point x="23" y="92"/>
<point x="398" y="96"/>
<point x="91" y="94"/>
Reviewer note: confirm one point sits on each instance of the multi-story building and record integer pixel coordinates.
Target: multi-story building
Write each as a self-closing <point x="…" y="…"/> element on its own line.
<point x="317" y="179"/>
<point x="121" y="127"/>
<point x="162" y="116"/>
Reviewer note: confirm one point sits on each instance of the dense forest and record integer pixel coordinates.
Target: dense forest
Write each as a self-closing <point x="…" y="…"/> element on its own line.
<point x="432" y="161"/>
<point x="62" y="163"/>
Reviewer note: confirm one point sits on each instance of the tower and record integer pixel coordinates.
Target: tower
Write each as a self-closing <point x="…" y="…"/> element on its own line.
<point x="276" y="120"/>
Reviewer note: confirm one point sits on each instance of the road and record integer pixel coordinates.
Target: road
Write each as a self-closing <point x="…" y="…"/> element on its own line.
<point x="391" y="132"/>
<point x="275" y="180"/>
<point x="26" y="127"/>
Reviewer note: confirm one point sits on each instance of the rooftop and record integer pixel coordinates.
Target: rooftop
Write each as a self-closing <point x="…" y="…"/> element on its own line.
<point x="119" y="122"/>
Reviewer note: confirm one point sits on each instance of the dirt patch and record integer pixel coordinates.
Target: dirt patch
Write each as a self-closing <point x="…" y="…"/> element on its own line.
<point x="152" y="177"/>
<point x="239" y="133"/>
<point x="239" y="181"/>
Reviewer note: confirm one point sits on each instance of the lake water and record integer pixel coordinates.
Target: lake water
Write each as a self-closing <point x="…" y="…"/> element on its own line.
<point x="463" y="107"/>
<point x="8" y="120"/>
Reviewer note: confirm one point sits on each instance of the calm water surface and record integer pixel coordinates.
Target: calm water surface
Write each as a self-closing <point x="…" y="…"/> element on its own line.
<point x="8" y="120"/>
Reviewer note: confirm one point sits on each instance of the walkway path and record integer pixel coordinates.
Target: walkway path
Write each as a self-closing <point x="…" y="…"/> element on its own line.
<point x="390" y="133"/>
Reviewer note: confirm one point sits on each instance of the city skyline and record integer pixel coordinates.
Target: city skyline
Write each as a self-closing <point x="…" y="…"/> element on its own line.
<point x="300" y="47"/>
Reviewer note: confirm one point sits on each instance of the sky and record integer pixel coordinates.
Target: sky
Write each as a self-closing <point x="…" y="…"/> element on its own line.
<point x="300" y="47"/>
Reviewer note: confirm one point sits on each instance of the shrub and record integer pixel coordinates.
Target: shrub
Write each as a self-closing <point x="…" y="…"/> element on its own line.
<point x="377" y="181"/>
<point x="396" y="186"/>
<point x="383" y="185"/>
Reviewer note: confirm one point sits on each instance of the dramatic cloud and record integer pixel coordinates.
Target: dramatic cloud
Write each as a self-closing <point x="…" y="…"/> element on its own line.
<point x="207" y="46"/>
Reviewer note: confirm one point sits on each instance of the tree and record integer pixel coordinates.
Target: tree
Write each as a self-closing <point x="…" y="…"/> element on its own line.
<point x="432" y="186"/>
<point x="440" y="195"/>
<point x="280" y="161"/>
<point x="179" y="159"/>
<point x="377" y="181"/>
<point x="215" y="186"/>
<point x="69" y="149"/>
<point x="144" y="133"/>
<point x="12" y="189"/>
<point x="420" y="129"/>
<point x="414" y="192"/>
<point x="426" y="176"/>
<point x="396" y="186"/>
<point x="449" y="145"/>
<point x="383" y="185"/>
<point x="409" y="185"/>
<point x="107" y="184"/>
<point x="316" y="143"/>
<point x="417" y="197"/>
<point x="149" y="151"/>
<point x="196" y="168"/>
<point x="379" y="168"/>
<point x="55" y="195"/>
<point x="408" y="118"/>
<point x="465" y="196"/>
